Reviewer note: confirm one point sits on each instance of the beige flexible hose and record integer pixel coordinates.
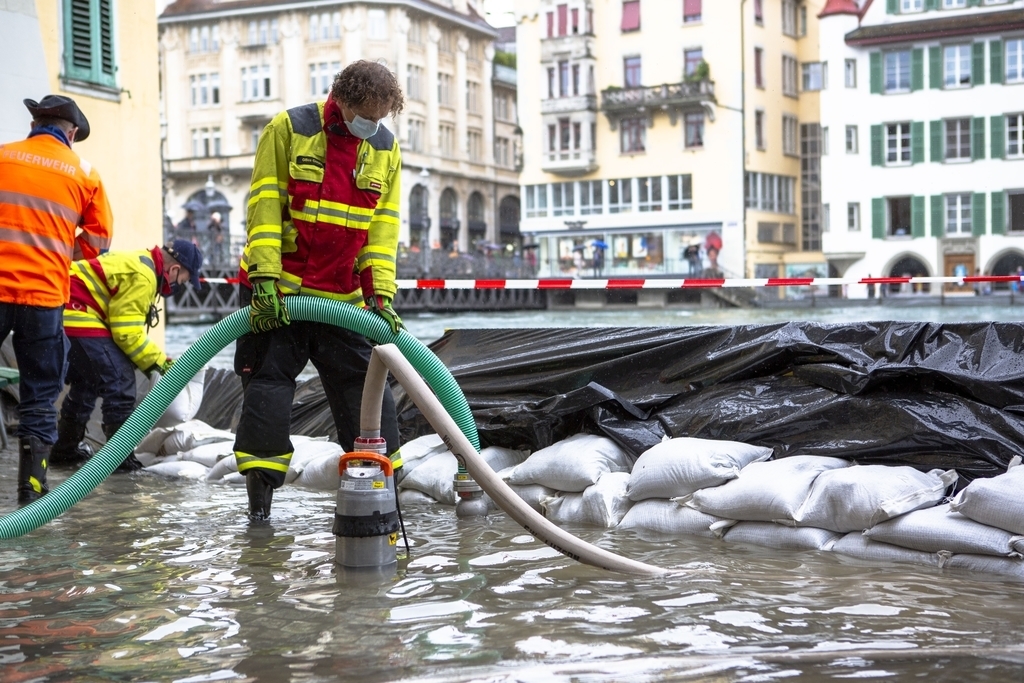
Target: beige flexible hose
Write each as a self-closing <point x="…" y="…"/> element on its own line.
<point x="390" y="356"/>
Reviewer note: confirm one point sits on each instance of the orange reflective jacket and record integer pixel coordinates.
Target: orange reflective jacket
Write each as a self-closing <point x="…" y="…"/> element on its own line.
<point x="46" y="194"/>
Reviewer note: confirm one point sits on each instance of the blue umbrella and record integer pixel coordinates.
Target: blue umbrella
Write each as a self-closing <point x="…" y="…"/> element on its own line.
<point x="599" y="244"/>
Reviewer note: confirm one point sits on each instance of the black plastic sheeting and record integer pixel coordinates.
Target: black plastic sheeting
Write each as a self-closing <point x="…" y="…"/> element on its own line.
<point x="902" y="393"/>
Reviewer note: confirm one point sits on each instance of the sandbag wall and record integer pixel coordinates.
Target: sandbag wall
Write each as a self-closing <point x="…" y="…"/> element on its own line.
<point x="931" y="396"/>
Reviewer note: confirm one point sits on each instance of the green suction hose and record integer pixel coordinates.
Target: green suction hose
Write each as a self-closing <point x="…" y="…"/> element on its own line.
<point x="316" y="309"/>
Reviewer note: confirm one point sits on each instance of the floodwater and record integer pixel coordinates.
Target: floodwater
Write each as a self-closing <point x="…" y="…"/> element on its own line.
<point x="155" y="580"/>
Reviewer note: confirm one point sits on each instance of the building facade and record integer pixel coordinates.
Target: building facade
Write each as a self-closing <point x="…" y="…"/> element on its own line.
<point x="105" y="57"/>
<point x="665" y="137"/>
<point x="927" y="130"/>
<point x="229" y="66"/>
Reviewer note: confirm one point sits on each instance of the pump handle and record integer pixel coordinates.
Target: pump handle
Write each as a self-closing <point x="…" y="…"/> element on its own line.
<point x="382" y="460"/>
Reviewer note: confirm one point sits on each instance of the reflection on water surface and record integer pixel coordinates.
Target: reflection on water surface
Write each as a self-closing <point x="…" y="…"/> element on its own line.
<point x="148" y="579"/>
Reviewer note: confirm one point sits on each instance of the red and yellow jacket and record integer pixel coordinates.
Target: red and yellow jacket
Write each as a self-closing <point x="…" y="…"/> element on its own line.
<point x="47" y="193"/>
<point x="323" y="207"/>
<point x="110" y="297"/>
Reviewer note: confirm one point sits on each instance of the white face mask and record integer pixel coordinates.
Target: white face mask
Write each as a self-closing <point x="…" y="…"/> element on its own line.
<point x="362" y="128"/>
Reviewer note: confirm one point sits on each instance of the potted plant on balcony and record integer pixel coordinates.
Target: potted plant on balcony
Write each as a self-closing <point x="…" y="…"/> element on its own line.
<point x="702" y="72"/>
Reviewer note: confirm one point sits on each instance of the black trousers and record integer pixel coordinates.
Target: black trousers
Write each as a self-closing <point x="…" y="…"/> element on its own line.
<point x="268" y="364"/>
<point x="98" y="368"/>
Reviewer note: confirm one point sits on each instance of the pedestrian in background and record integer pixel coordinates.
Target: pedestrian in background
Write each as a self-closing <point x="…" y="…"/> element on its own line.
<point x="216" y="230"/>
<point x="52" y="208"/>
<point x="113" y="301"/>
<point x="332" y="154"/>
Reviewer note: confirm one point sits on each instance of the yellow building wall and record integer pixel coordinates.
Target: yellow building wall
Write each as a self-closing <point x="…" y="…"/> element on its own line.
<point x="124" y="142"/>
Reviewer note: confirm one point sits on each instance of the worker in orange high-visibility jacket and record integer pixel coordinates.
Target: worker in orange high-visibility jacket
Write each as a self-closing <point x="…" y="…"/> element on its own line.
<point x="52" y="208"/>
<point x="323" y="221"/>
<point x="113" y="301"/>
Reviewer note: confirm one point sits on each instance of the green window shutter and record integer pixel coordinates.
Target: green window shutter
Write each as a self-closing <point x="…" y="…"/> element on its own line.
<point x="978" y="64"/>
<point x="995" y="61"/>
<point x="917" y="69"/>
<point x="876" y="145"/>
<point x="936" y="142"/>
<point x="917" y="216"/>
<point x="978" y="214"/>
<point x="998" y="213"/>
<point x="876" y="73"/>
<point x="878" y="218"/>
<point x="892" y="7"/>
<point x="978" y="138"/>
<point x="938" y="224"/>
<point x="935" y="68"/>
<point x="917" y="142"/>
<point x="998" y="137"/>
<point x="931" y="4"/>
<point x="89" y="41"/>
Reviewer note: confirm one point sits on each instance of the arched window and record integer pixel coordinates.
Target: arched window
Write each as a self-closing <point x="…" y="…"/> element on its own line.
<point x="477" y="225"/>
<point x="1008" y="264"/>
<point x="449" y="219"/>
<point x="908" y="266"/>
<point x="419" y="219"/>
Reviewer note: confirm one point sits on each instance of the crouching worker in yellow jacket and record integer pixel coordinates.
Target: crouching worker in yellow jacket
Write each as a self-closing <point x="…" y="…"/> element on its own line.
<point x="106" y="322"/>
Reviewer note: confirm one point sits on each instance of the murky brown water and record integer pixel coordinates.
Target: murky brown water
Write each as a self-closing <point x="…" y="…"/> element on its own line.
<point x="155" y="580"/>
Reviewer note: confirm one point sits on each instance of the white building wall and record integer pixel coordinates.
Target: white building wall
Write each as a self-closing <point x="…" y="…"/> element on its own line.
<point x="851" y="178"/>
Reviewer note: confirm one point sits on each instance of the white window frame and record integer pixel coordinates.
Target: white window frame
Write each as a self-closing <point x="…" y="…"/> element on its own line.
<point x="956" y="66"/>
<point x="903" y="143"/>
<point x="954" y="4"/>
<point x="911" y="6"/>
<point x="958" y="214"/>
<point x="1014" y="70"/>
<point x="591" y="197"/>
<point x="790" y="75"/>
<point x="693" y="121"/>
<point x="962" y="133"/>
<point x="376" y="24"/>
<point x="899" y="62"/>
<point x="850" y="73"/>
<point x="619" y="188"/>
<point x="649" y="195"/>
<point x="679" y="192"/>
<point x="814" y="76"/>
<point x="1014" y="136"/>
<point x="790" y="135"/>
<point x="852" y="141"/>
<point x="853" y="217"/>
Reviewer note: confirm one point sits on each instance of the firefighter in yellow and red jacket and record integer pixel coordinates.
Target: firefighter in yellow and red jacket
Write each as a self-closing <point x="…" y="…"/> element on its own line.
<point x="52" y="208"/>
<point x="323" y="221"/>
<point x="107" y="321"/>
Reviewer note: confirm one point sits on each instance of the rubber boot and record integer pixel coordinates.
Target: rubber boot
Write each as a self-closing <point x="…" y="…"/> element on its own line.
<point x="33" y="457"/>
<point x="69" y="449"/>
<point x="261" y="493"/>
<point x="129" y="464"/>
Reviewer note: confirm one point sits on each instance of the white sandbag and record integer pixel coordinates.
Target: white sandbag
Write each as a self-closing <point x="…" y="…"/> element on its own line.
<point x="764" y="491"/>
<point x="224" y="467"/>
<point x="859" y="546"/>
<point x="185" y="405"/>
<point x="179" y="470"/>
<point x="414" y="497"/>
<point x="986" y="564"/>
<point x="533" y="495"/>
<point x="321" y="474"/>
<point x="208" y="454"/>
<point x="997" y="502"/>
<point x="656" y="517"/>
<point x="435" y="476"/>
<point x="780" y="537"/>
<point x="308" y="449"/>
<point x="572" y="464"/>
<point x="603" y="505"/>
<point x="934" y="529"/>
<point x="188" y="435"/>
<point x="677" y="467"/>
<point x="147" y="459"/>
<point x="420" y="449"/>
<point x="154" y="441"/>
<point x="859" y="497"/>
<point x="232" y="479"/>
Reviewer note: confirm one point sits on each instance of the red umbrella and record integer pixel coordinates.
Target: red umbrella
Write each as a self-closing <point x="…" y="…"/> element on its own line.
<point x="713" y="241"/>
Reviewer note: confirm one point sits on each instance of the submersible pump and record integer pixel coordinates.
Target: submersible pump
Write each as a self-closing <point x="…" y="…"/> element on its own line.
<point x="366" y="520"/>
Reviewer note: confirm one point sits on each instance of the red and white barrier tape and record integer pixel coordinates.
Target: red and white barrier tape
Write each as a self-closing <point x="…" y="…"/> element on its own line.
<point x="687" y="283"/>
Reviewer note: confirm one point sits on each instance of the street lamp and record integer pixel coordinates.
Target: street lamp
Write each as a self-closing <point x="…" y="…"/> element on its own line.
<point x="210" y="187"/>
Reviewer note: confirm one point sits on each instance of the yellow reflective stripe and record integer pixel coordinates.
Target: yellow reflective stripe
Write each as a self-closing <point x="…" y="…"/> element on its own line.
<point x="341" y="207"/>
<point x="355" y="297"/>
<point x="304" y="216"/>
<point x="247" y="461"/>
<point x="265" y="242"/>
<point x="128" y="322"/>
<point x="396" y="459"/>
<point x="93" y="283"/>
<point x="289" y="282"/>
